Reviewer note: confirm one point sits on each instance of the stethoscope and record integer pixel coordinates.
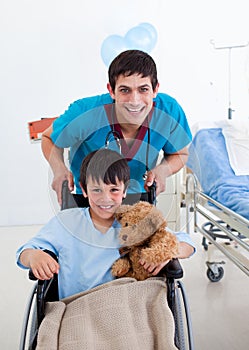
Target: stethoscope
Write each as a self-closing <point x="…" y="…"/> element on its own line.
<point x="115" y="134"/>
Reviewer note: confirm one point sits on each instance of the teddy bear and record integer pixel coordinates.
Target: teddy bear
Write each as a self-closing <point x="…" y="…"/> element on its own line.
<point x="143" y="235"/>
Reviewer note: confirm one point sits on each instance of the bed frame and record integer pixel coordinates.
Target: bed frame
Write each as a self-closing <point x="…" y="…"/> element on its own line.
<point x="220" y="226"/>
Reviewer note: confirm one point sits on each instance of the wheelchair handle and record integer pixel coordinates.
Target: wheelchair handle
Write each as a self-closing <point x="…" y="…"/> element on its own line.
<point x="152" y="193"/>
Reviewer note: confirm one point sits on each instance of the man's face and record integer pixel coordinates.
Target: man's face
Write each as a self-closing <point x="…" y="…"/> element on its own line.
<point x="133" y="97"/>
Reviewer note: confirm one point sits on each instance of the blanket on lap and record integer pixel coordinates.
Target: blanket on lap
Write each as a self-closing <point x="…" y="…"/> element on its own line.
<point x="123" y="314"/>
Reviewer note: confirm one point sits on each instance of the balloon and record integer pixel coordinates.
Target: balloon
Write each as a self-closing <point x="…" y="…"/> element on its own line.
<point x="111" y="47"/>
<point x="139" y="38"/>
<point x="152" y="30"/>
<point x="142" y="37"/>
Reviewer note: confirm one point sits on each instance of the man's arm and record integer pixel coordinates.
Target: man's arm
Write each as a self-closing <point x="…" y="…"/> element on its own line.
<point x="55" y="157"/>
<point x="169" y="165"/>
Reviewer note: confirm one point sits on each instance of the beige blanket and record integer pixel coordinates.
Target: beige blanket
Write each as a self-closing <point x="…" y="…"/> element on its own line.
<point x="120" y="315"/>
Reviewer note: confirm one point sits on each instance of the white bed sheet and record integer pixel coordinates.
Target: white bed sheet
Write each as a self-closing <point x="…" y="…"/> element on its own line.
<point x="236" y="134"/>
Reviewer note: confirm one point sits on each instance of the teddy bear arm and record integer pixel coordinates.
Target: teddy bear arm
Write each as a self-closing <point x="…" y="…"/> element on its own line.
<point x="121" y="267"/>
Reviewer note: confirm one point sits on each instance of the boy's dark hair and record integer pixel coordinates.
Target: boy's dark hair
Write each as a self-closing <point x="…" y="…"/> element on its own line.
<point x="106" y="165"/>
<point x="131" y="62"/>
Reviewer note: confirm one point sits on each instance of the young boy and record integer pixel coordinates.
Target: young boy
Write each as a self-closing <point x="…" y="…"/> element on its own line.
<point x="85" y="240"/>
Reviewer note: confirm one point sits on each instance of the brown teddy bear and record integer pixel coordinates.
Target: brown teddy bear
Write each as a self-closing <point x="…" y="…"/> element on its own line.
<point x="143" y="235"/>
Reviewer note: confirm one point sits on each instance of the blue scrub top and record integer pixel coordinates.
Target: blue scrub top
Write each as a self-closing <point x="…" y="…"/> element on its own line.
<point x="84" y="126"/>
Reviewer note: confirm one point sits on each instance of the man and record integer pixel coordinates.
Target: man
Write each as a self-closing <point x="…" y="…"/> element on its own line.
<point x="133" y="119"/>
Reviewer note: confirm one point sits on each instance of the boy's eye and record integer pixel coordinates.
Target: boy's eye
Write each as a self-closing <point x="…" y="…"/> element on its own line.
<point x="114" y="189"/>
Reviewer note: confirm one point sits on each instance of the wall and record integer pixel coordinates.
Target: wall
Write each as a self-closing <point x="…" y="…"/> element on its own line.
<point x="50" y="56"/>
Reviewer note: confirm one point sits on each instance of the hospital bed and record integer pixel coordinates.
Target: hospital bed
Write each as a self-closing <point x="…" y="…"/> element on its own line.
<point x="217" y="193"/>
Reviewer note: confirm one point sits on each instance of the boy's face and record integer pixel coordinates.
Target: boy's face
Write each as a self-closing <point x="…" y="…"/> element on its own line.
<point x="104" y="199"/>
<point x="133" y="97"/>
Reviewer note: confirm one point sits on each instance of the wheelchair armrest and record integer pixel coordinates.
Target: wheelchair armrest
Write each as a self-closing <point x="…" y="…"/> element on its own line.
<point x="173" y="269"/>
<point x="47" y="290"/>
<point x="31" y="275"/>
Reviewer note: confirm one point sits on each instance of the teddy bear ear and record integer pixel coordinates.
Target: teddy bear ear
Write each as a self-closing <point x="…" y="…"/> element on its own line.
<point x="124" y="208"/>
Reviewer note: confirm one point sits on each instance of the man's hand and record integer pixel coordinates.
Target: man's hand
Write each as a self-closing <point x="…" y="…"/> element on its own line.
<point x="42" y="264"/>
<point x="55" y="157"/>
<point x="169" y="165"/>
<point x="158" y="175"/>
<point x="58" y="180"/>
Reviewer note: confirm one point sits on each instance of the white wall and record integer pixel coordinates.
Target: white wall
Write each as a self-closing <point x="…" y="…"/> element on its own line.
<point x="50" y="56"/>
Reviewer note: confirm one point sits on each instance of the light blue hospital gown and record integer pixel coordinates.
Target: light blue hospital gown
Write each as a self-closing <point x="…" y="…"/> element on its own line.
<point x="85" y="255"/>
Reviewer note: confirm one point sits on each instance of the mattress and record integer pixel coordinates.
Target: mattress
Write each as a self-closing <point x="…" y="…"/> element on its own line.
<point x="209" y="161"/>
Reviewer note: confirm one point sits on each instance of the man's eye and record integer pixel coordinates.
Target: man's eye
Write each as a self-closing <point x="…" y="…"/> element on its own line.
<point x="124" y="91"/>
<point x="144" y="89"/>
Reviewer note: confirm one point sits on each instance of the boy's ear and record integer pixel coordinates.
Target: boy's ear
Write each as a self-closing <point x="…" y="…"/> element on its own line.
<point x="83" y="192"/>
<point x="124" y="194"/>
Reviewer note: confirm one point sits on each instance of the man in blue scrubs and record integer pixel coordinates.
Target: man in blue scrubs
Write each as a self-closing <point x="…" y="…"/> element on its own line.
<point x="133" y="118"/>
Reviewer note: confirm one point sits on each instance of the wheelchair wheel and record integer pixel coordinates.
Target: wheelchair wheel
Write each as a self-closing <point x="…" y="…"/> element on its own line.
<point x="183" y="326"/>
<point x="33" y="330"/>
<point x="29" y="328"/>
<point x="180" y="340"/>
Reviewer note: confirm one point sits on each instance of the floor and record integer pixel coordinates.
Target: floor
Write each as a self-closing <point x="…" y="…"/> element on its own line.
<point x="219" y="311"/>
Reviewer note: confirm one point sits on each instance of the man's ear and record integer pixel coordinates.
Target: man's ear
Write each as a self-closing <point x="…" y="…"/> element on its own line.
<point x="156" y="90"/>
<point x="83" y="192"/>
<point x="109" y="88"/>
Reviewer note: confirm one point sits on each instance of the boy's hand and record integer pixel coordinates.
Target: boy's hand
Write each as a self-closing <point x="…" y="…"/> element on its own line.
<point x="42" y="264"/>
<point x="154" y="269"/>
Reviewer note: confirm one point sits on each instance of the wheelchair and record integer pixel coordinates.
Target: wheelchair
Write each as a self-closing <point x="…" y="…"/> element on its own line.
<point x="47" y="291"/>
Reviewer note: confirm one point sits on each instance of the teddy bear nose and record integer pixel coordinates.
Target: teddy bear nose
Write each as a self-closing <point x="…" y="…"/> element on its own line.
<point x="124" y="237"/>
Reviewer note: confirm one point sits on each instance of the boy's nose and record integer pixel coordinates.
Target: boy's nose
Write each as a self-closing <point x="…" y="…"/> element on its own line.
<point x="105" y="196"/>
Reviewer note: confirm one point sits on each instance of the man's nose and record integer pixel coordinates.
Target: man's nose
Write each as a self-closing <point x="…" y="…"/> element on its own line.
<point x="135" y="97"/>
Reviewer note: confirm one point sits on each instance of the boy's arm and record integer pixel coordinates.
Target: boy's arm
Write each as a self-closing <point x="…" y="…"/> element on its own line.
<point x="42" y="264"/>
<point x="185" y="250"/>
<point x="55" y="158"/>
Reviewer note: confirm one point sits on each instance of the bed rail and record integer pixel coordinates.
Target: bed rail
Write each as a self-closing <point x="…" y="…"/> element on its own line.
<point x="233" y="226"/>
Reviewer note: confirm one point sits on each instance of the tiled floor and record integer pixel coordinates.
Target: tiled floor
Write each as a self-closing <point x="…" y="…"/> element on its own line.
<point x="220" y="311"/>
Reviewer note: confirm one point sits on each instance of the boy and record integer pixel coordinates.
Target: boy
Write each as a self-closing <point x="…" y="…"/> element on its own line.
<point x="85" y="240"/>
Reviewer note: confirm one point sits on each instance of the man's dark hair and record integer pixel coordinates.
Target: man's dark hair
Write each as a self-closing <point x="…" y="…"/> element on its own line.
<point x="132" y="62"/>
<point x="106" y="165"/>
